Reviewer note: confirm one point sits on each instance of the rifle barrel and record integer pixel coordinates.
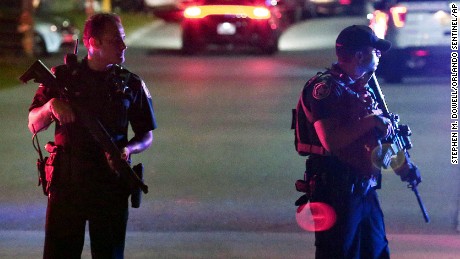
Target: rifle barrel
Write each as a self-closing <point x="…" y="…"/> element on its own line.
<point x="420" y="203"/>
<point x="374" y="84"/>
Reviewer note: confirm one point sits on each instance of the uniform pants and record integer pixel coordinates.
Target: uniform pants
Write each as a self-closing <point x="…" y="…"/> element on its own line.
<point x="359" y="231"/>
<point x="65" y="231"/>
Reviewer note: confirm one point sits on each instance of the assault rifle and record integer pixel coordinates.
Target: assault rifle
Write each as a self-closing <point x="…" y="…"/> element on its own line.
<point x="395" y="148"/>
<point x="41" y="74"/>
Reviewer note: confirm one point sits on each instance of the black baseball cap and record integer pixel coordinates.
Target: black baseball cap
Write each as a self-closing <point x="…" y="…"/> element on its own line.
<point x="358" y="36"/>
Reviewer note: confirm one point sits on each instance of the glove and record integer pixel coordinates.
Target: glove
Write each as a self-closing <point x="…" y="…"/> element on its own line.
<point x="413" y="176"/>
<point x="408" y="171"/>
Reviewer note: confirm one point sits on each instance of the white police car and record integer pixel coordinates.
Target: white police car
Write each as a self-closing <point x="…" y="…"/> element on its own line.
<point x="420" y="33"/>
<point x="51" y="33"/>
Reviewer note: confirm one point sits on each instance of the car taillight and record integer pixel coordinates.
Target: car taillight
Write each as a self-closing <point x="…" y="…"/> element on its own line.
<point x="192" y="12"/>
<point x="261" y="13"/>
<point x="398" y="14"/>
<point x="420" y="53"/>
<point x="253" y="12"/>
<point x="379" y="23"/>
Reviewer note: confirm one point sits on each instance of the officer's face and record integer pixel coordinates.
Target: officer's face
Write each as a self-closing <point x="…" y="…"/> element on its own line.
<point x="112" y="45"/>
<point x="371" y="59"/>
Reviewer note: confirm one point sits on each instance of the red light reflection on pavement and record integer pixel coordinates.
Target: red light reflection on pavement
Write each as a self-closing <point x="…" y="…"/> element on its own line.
<point x="315" y="216"/>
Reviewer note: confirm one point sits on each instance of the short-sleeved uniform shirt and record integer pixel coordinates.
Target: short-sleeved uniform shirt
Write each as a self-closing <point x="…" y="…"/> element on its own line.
<point x="115" y="105"/>
<point x="114" y="109"/>
<point x="334" y="94"/>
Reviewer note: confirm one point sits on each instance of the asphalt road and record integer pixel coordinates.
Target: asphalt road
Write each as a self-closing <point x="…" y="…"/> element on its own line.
<point x="222" y="168"/>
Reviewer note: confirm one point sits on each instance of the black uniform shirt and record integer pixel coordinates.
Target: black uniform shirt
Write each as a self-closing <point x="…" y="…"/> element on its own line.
<point x="331" y="95"/>
<point x="335" y="95"/>
<point x="98" y="93"/>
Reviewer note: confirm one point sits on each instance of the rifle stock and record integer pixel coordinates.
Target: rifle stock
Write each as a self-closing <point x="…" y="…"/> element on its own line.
<point x="41" y="74"/>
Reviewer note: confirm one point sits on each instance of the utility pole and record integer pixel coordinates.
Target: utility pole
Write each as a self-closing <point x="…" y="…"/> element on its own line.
<point x="26" y="25"/>
<point x="107" y="6"/>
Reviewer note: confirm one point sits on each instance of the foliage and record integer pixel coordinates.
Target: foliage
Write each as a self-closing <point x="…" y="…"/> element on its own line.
<point x="11" y="67"/>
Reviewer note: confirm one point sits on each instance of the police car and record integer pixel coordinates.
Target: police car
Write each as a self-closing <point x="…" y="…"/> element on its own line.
<point x="168" y="10"/>
<point x="255" y="23"/>
<point x="335" y="7"/>
<point x="420" y="33"/>
<point x="51" y="33"/>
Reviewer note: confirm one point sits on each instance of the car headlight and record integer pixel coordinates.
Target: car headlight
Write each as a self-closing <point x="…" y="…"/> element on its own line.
<point x="53" y="28"/>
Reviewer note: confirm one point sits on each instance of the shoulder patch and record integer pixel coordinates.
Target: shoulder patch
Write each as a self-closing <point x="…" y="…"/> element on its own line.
<point x="146" y="90"/>
<point x="321" y="91"/>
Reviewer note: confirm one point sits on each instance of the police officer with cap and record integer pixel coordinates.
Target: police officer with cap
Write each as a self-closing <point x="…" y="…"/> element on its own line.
<point x="339" y="127"/>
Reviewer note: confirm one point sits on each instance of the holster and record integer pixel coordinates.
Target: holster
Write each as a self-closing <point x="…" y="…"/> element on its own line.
<point x="136" y="195"/>
<point x="42" y="175"/>
<point x="47" y="166"/>
<point x="307" y="186"/>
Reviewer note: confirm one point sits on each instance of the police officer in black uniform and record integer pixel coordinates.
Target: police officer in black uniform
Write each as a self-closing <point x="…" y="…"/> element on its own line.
<point x="82" y="183"/>
<point x="338" y="126"/>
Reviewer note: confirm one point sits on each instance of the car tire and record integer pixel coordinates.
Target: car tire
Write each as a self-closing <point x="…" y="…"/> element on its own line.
<point x="270" y="47"/>
<point x="190" y="44"/>
<point x="39" y="48"/>
<point x="391" y="67"/>
<point x="393" y="78"/>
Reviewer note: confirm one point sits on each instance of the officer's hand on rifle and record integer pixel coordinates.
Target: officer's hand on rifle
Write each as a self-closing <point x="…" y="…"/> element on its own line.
<point x="402" y="166"/>
<point x="124" y="155"/>
<point x="383" y="125"/>
<point x="61" y="111"/>
<point x="413" y="177"/>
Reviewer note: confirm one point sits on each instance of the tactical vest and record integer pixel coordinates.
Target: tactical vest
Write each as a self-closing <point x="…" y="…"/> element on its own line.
<point x="362" y="156"/>
<point x="306" y="140"/>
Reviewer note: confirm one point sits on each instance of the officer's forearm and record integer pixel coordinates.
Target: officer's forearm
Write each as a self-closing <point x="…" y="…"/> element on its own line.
<point x="40" y="118"/>
<point x="140" y="143"/>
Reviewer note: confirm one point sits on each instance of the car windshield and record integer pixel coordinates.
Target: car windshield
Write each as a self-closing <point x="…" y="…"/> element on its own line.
<point x="385" y="4"/>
